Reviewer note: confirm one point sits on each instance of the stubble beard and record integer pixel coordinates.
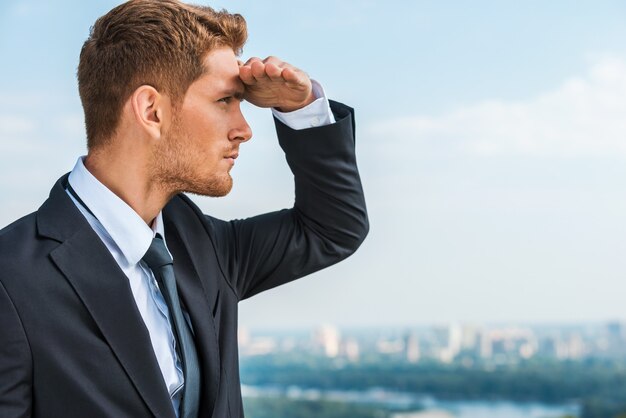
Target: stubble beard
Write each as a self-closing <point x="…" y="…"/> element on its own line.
<point x="176" y="167"/>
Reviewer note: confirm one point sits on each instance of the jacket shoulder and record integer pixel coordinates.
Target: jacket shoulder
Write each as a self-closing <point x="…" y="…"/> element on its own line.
<point x="23" y="222"/>
<point x="15" y="235"/>
<point x="21" y="251"/>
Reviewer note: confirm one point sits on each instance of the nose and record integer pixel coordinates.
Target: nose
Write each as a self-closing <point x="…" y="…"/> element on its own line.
<point x="242" y="131"/>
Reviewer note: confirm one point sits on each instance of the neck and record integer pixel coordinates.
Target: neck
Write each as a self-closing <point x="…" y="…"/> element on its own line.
<point x="130" y="179"/>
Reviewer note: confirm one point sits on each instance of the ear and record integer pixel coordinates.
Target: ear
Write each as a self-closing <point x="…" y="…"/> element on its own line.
<point x="151" y="110"/>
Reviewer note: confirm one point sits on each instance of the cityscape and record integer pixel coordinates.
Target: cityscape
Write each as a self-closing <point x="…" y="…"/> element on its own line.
<point x="456" y="370"/>
<point x="464" y="343"/>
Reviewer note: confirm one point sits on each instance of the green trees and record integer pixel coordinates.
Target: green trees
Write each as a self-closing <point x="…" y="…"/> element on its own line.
<point x="286" y="408"/>
<point x="599" y="387"/>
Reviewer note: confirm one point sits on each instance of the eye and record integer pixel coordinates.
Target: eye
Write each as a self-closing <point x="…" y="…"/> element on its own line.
<point x="226" y="99"/>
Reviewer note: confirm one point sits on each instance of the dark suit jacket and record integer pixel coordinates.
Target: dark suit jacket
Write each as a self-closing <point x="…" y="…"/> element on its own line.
<point x="72" y="342"/>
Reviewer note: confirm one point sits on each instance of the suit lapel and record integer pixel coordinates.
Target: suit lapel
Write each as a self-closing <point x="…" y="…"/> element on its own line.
<point x="195" y="298"/>
<point x="104" y="290"/>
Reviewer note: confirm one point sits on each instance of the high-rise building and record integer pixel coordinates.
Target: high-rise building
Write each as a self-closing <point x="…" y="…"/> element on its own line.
<point x="412" y="346"/>
<point x="351" y="349"/>
<point x="327" y="337"/>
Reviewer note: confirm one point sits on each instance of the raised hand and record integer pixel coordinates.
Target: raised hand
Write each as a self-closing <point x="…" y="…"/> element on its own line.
<point x="274" y="83"/>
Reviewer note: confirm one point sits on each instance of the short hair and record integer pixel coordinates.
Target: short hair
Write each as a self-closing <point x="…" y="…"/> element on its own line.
<point x="161" y="43"/>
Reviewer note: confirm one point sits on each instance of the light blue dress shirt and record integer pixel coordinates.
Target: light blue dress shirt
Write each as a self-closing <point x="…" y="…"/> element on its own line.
<point x="128" y="237"/>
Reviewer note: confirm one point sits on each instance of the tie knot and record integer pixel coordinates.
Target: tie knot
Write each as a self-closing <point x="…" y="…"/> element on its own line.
<point x="157" y="255"/>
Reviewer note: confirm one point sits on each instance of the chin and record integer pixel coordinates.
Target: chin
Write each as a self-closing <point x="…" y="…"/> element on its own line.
<point x="221" y="192"/>
<point x="214" y="188"/>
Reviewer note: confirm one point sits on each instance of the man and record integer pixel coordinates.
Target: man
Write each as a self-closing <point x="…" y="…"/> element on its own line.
<point x="118" y="297"/>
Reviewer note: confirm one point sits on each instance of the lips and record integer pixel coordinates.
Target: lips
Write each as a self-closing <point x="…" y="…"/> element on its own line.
<point x="231" y="157"/>
<point x="233" y="153"/>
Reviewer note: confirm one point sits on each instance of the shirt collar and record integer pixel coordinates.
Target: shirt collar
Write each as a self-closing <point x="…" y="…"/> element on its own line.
<point x="130" y="233"/>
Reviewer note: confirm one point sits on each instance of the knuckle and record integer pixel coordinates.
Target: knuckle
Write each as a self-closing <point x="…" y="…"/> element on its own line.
<point x="272" y="59"/>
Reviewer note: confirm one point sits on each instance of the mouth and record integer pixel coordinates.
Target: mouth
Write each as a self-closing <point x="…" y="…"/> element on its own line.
<point x="232" y="157"/>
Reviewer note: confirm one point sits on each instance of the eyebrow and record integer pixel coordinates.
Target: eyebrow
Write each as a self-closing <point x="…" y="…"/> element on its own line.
<point x="236" y="93"/>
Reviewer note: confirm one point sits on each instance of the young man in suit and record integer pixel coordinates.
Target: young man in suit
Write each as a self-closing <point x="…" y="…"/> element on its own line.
<point x="118" y="297"/>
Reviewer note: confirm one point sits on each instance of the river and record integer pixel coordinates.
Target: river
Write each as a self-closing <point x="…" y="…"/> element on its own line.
<point x="423" y="406"/>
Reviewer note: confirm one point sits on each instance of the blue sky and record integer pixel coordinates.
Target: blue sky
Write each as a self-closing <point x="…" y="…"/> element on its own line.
<point x="491" y="138"/>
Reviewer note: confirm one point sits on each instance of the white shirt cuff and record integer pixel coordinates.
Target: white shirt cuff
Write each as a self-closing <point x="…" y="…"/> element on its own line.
<point x="315" y="114"/>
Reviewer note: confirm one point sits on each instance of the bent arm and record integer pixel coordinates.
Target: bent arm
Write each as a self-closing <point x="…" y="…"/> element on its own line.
<point x="327" y="223"/>
<point x="15" y="362"/>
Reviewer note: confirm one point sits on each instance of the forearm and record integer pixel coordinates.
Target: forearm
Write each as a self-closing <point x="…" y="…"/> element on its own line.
<point x="329" y="194"/>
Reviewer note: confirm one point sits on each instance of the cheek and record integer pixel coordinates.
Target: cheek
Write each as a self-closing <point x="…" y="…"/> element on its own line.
<point x="203" y="127"/>
<point x="205" y="132"/>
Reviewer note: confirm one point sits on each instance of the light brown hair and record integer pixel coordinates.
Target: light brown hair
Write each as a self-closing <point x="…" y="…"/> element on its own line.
<point x="160" y="43"/>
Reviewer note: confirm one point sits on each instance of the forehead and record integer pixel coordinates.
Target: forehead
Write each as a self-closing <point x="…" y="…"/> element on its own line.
<point x="222" y="72"/>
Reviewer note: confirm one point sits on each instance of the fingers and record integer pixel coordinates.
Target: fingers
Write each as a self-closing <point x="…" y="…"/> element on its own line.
<point x="251" y="60"/>
<point x="245" y="71"/>
<point x="274" y="72"/>
<point x="272" y="68"/>
<point x="275" y="83"/>
<point x="254" y="70"/>
<point x="258" y="70"/>
<point x="275" y="68"/>
<point x="294" y="77"/>
<point x="245" y="74"/>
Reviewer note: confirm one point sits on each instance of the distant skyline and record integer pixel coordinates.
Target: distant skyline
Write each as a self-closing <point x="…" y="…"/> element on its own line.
<point x="491" y="140"/>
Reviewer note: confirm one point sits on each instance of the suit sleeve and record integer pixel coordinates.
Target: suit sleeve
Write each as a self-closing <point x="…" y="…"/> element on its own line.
<point x="15" y="362"/>
<point x="327" y="223"/>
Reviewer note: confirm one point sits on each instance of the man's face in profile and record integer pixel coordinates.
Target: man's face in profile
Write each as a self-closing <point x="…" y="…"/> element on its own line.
<point x="203" y="141"/>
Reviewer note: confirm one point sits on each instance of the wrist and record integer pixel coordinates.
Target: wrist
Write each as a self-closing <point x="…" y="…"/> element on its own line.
<point x="292" y="108"/>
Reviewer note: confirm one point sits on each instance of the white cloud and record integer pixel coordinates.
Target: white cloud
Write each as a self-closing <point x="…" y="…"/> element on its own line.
<point x="15" y="125"/>
<point x="583" y="116"/>
<point x="71" y="125"/>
